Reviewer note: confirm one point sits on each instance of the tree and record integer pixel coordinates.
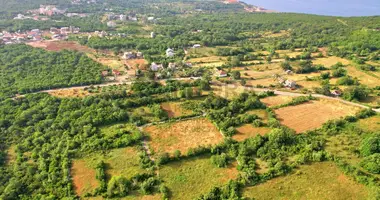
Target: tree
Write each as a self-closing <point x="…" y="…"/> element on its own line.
<point x="358" y="93"/>
<point x="118" y="186"/>
<point x="286" y="66"/>
<point x="370" y="145"/>
<point x="236" y="75"/>
<point x="219" y="160"/>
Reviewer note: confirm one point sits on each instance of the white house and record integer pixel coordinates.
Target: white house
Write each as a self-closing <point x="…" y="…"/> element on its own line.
<point x="111" y="24"/>
<point x="290" y="84"/>
<point x="196" y="46"/>
<point x="170" y="53"/>
<point x="123" y="17"/>
<point x="155" y="67"/>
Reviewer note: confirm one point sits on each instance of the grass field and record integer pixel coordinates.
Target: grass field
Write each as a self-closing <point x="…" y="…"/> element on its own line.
<point x="190" y="178"/>
<point x="312" y="182"/>
<point x="330" y="61"/>
<point x="312" y="115"/>
<point x="248" y="130"/>
<point x="363" y="77"/>
<point x="119" y="162"/>
<point x="370" y="124"/>
<point x="174" y="109"/>
<point x="276" y="100"/>
<point x="64" y="93"/>
<point x="309" y="84"/>
<point x="228" y="92"/>
<point x="209" y="59"/>
<point x="183" y="135"/>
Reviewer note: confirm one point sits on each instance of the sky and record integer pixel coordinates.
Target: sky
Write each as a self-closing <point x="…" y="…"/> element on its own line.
<point x="322" y="7"/>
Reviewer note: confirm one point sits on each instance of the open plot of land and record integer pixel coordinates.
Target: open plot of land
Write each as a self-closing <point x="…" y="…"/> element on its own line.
<point x="309" y="84"/>
<point x="263" y="82"/>
<point x="145" y="112"/>
<point x="204" y="51"/>
<point x="330" y="61"/>
<point x="61" y="45"/>
<point x="174" y="109"/>
<point x="276" y="100"/>
<point x="11" y="155"/>
<point x="119" y="162"/>
<point x="257" y="74"/>
<point x="183" y="135"/>
<point x="263" y="114"/>
<point x="137" y="64"/>
<point x="209" y="59"/>
<point x="190" y="178"/>
<point x="312" y="182"/>
<point x="248" y="130"/>
<point x="228" y="92"/>
<point x="69" y="93"/>
<point x="363" y="77"/>
<point x="370" y="124"/>
<point x="312" y="115"/>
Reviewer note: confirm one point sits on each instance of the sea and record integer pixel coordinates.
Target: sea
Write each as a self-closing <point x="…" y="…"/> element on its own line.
<point x="345" y="8"/>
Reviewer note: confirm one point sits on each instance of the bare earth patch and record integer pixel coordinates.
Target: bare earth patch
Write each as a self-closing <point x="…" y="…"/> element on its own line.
<point x="83" y="177"/>
<point x="61" y="45"/>
<point x="247" y="131"/>
<point x="312" y="115"/>
<point x="183" y="135"/>
<point x="69" y="93"/>
<point x="276" y="100"/>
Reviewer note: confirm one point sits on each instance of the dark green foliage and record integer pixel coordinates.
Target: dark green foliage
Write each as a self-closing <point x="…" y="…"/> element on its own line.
<point x="370" y="145"/>
<point x="101" y="177"/>
<point x="339" y="72"/>
<point x="358" y="93"/>
<point x="372" y="163"/>
<point x="348" y="80"/>
<point x="220" y="160"/>
<point x="25" y="69"/>
<point x="118" y="187"/>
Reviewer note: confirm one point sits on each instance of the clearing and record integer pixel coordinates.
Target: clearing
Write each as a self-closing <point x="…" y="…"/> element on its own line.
<point x="330" y="61"/>
<point x="363" y="77"/>
<point x="120" y="162"/>
<point x="314" y="114"/>
<point x="276" y="100"/>
<point x="64" y="93"/>
<point x="248" y="130"/>
<point x="190" y="178"/>
<point x="312" y="182"/>
<point x="370" y="124"/>
<point x="175" y="109"/>
<point x="61" y="45"/>
<point x="183" y="135"/>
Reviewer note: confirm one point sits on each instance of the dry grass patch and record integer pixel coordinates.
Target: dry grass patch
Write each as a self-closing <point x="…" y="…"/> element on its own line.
<point x="11" y="155"/>
<point x="183" y="135"/>
<point x="119" y="162"/>
<point x="228" y="92"/>
<point x="363" y="77"/>
<point x="137" y="64"/>
<point x="64" y="93"/>
<point x="370" y="124"/>
<point x="175" y="109"/>
<point x="330" y="61"/>
<point x="312" y="182"/>
<point x="309" y="84"/>
<point x="314" y="114"/>
<point x="209" y="59"/>
<point x="263" y="82"/>
<point x="258" y="74"/>
<point x="83" y="177"/>
<point x="276" y="100"/>
<point x="248" y="131"/>
<point x="190" y="178"/>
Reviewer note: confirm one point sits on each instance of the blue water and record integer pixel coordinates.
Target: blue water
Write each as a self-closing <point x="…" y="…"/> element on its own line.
<point x="322" y="7"/>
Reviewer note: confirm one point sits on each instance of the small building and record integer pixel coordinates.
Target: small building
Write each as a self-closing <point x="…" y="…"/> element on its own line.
<point x="123" y="18"/>
<point x="139" y="55"/>
<point x="188" y="64"/>
<point x="111" y="24"/>
<point x="104" y="73"/>
<point x="152" y="34"/>
<point x="290" y="84"/>
<point x="197" y="46"/>
<point x="288" y="72"/>
<point x="221" y="74"/>
<point x="170" y="53"/>
<point x="150" y="18"/>
<point x="336" y="93"/>
<point x="116" y="72"/>
<point x="172" y="66"/>
<point x="129" y="55"/>
<point x="155" y="67"/>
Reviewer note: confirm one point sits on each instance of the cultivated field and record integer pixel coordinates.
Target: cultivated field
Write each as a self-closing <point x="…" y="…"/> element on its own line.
<point x="276" y="100"/>
<point x="248" y="130"/>
<point x="312" y="182"/>
<point x="183" y="135"/>
<point x="312" y="115"/>
<point x="175" y="109"/>
<point x="83" y="177"/>
<point x="190" y="178"/>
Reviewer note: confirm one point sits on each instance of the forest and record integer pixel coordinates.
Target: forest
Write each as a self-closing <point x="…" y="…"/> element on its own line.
<point x="26" y="70"/>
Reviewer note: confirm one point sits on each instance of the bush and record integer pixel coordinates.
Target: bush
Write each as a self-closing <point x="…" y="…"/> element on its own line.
<point x="370" y="145"/>
<point x="355" y="93"/>
<point x="220" y="160"/>
<point x="118" y="187"/>
<point x="372" y="163"/>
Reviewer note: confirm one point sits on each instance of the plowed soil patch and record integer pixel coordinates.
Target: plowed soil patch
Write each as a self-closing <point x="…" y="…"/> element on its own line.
<point x="83" y="177"/>
<point x="61" y="45"/>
